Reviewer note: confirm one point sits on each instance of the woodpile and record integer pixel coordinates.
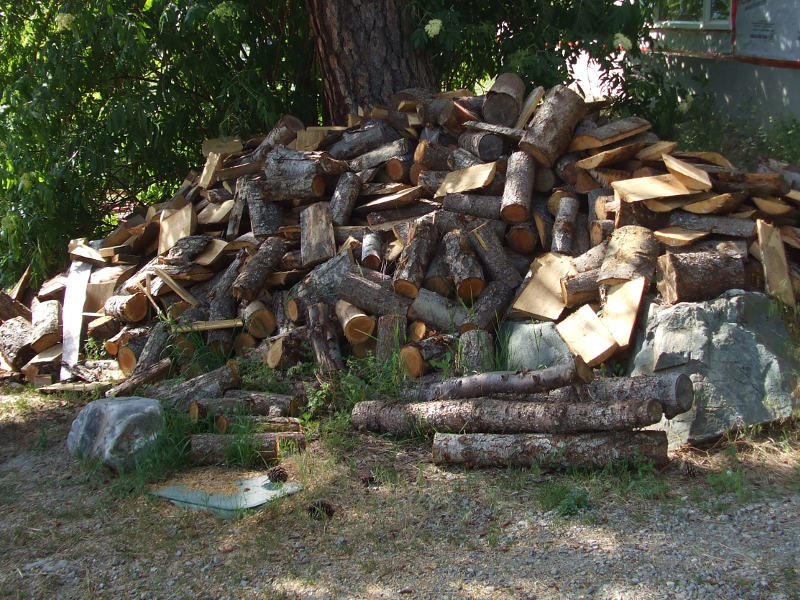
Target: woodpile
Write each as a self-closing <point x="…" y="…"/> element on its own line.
<point x="425" y="222"/>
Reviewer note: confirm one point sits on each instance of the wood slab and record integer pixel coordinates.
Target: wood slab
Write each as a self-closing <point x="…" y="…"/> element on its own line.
<point x="214" y="214"/>
<point x="587" y="336"/>
<point x="653" y="152"/>
<point x="405" y="197"/>
<point x="678" y="236"/>
<point x="773" y="260"/>
<point x="608" y="134"/>
<point x="466" y="180"/>
<point x="72" y="314"/>
<point x="689" y="175"/>
<point x="529" y="107"/>
<point x="176" y="225"/>
<point x="541" y="298"/>
<point x="611" y="156"/>
<point x="646" y="188"/>
<point x="621" y="308"/>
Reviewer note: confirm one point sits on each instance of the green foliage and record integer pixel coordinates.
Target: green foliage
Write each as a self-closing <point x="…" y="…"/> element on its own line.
<point x="566" y="499"/>
<point x="104" y="103"/>
<point x="255" y="375"/>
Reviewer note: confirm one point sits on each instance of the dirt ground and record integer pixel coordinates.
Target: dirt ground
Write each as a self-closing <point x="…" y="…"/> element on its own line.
<point x="717" y="523"/>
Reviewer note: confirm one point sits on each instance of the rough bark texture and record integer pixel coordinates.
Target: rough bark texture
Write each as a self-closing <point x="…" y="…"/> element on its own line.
<point x="549" y="450"/>
<point x="591" y="259"/>
<point x="437" y="277"/>
<point x="321" y="284"/>
<point x="222" y="304"/>
<point x="154" y="348"/>
<point x="317" y="243"/>
<point x="475" y="352"/>
<point x="464" y="266"/>
<point x="520" y="175"/>
<point x="416" y="357"/>
<point x="210" y="448"/>
<point x="288" y="349"/>
<point x="484" y="207"/>
<point x="210" y="385"/>
<point x="461" y="159"/>
<point x="632" y="252"/>
<point x="364" y="54"/>
<point x="46" y="325"/>
<point x="564" y="225"/>
<point x="15" y="335"/>
<point x="488" y="247"/>
<point x="437" y="311"/>
<point x="713" y="224"/>
<point x="504" y="100"/>
<point x="488" y="415"/>
<point x="249" y="283"/>
<point x="490" y="306"/>
<point x="245" y="402"/>
<point x="391" y="334"/>
<point x="414" y="260"/>
<point x="155" y="372"/>
<point x="486" y="146"/>
<point x="356" y="142"/>
<point x="434" y="157"/>
<point x="371" y="251"/>
<point x="692" y="276"/>
<point x="372" y="292"/>
<point x="550" y="131"/>
<point x="344" y="198"/>
<point x="322" y="335"/>
<point x="128" y="308"/>
<point x="580" y="288"/>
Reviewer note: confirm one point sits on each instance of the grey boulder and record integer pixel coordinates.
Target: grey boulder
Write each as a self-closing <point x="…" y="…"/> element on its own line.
<point x="738" y="353"/>
<point x="534" y="345"/>
<point x="116" y="430"/>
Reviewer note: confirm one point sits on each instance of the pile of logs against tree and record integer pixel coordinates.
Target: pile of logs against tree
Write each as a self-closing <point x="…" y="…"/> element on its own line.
<point x="424" y="223"/>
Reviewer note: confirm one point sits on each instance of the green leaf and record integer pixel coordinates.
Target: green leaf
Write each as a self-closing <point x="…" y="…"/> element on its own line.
<point x="148" y="4"/>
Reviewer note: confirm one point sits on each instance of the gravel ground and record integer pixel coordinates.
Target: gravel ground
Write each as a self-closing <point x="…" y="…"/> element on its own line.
<point x="419" y="531"/>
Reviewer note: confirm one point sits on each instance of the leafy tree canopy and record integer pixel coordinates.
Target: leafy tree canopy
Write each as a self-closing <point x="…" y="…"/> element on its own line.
<point x="104" y="103"/>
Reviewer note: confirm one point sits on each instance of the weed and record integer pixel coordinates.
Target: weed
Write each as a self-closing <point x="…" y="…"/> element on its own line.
<point x="42" y="440"/>
<point x="387" y="475"/>
<point x="445" y="364"/>
<point x="94" y="349"/>
<point x="256" y="376"/>
<point x="731" y="481"/>
<point x="566" y="499"/>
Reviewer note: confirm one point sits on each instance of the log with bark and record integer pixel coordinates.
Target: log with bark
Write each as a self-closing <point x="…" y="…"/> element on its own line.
<point x="153" y="373"/>
<point x="479" y="450"/>
<point x="416" y="357"/>
<point x="249" y="283"/>
<point x="522" y="237"/>
<point x="281" y="134"/>
<point x="489" y="308"/>
<point x="129" y="308"/>
<point x="356" y="142"/>
<point x="484" y="207"/>
<point x="476" y="352"/>
<point x="481" y="144"/>
<point x="46" y="324"/>
<point x="101" y="328"/>
<point x="391" y="335"/>
<point x="437" y="311"/>
<point x="504" y="100"/>
<point x="580" y="288"/>
<point x="265" y="217"/>
<point x="564" y="225"/>
<point x="288" y="349"/>
<point x="550" y="131"/>
<point x="378" y="156"/>
<point x="693" y="276"/>
<point x="317" y="243"/>
<point x="222" y="303"/>
<point x="372" y="251"/>
<point x="397" y="168"/>
<point x="488" y="247"/>
<point x="322" y="335"/>
<point x="465" y="268"/>
<point x="320" y="285"/>
<point x="520" y="175"/>
<point x="15" y="336"/>
<point x="410" y="270"/>
<point x="372" y="292"/>
<point x="155" y="348"/>
<point x="344" y="198"/>
<point x="720" y="225"/>
<point x="210" y="385"/>
<point x="356" y="324"/>
<point x="129" y="352"/>
<point x="210" y="448"/>
<point x="246" y="402"/>
<point x="461" y="159"/>
<point x="631" y="253"/>
<point x="432" y="156"/>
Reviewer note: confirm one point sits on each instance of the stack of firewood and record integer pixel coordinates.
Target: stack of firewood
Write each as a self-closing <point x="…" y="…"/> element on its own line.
<point x="425" y="222"/>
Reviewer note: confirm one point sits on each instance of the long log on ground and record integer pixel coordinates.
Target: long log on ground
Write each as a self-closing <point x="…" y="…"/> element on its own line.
<point x="151" y="374"/>
<point x="509" y="382"/>
<point x="15" y="335"/>
<point x="632" y="252"/>
<point x="486" y="146"/>
<point x="249" y="283"/>
<point x="489" y="415"/>
<point x="245" y="402"/>
<point x="209" y="385"/>
<point x="693" y="276"/>
<point x="564" y="225"/>
<point x="464" y="266"/>
<point x="476" y="352"/>
<point x="288" y="349"/>
<point x="489" y="308"/>
<point x="261" y="424"/>
<point x="210" y="448"/>
<point x="416" y="357"/>
<point x="484" y="207"/>
<point x="323" y="338"/>
<point x="488" y="247"/>
<point x="504" y="100"/>
<point x="46" y="324"/>
<point x="479" y="450"/>
<point x="550" y="131"/>
<point x="320" y="285"/>
<point x="515" y="206"/>
<point x="437" y="311"/>
<point x="10" y="308"/>
<point x="344" y="198"/>
<point x="372" y="292"/>
<point x="127" y="308"/>
<point x="410" y="270"/>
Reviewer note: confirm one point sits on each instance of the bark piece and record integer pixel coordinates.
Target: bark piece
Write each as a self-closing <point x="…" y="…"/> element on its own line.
<point x="550" y="131"/>
<point x="15" y="335"/>
<point x="416" y="357"/>
<point x="773" y="259"/>
<point x="344" y="198"/>
<point x="564" y="225"/>
<point x="580" y="288"/>
<point x="372" y="292"/>
<point x="591" y="259"/>
<point x="464" y="266"/>
<point x="154" y="348"/>
<point x="693" y="276"/>
<point x="587" y="337"/>
<point x="529" y="107"/>
<point x="46" y="325"/>
<point x="317" y="243"/>
<point x="249" y="283"/>
<point x="153" y="373"/>
<point x="322" y="335"/>
<point x="520" y="175"/>
<point x="632" y="252"/>
<point x="281" y="134"/>
<point x="488" y="415"/>
<point x="416" y="255"/>
<point x="480" y="450"/>
<point x="265" y="217"/>
<point x="210" y="448"/>
<point x="476" y="352"/>
<point x="356" y="324"/>
<point x="504" y="100"/>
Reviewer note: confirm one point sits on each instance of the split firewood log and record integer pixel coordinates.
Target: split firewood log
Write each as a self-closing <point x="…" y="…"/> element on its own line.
<point x="356" y="324"/>
<point x="46" y="324"/>
<point x="288" y="349"/>
<point x="250" y="281"/>
<point x="693" y="276"/>
<point x="489" y="308"/>
<point x="355" y="142"/>
<point x="550" y="131"/>
<point x="344" y="198"/>
<point x="488" y="247"/>
<point x="516" y="202"/>
<point x="129" y="308"/>
<point x="481" y="450"/>
<point x="410" y="270"/>
<point x="464" y="266"/>
<point x="323" y="338"/>
<point x="564" y="225"/>
<point x="320" y="285"/>
<point x="15" y="347"/>
<point x="372" y="292"/>
<point x="504" y="100"/>
<point x="632" y="252"/>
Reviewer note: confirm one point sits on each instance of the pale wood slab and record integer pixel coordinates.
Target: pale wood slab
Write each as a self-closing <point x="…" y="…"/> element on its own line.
<point x="678" y="236"/>
<point x="209" y="174"/>
<point x="773" y="259"/>
<point x="587" y="336"/>
<point x="221" y="146"/>
<point x="772" y="206"/>
<point x="621" y="308"/>
<point x="716" y="204"/>
<point x="176" y="225"/>
<point x="214" y="214"/>
<point x="466" y="180"/>
<point x="646" y="188"/>
<point x="713" y="158"/>
<point x="610" y="156"/>
<point x="72" y="314"/>
<point x="212" y="252"/>
<point x="405" y="197"/>
<point x="541" y="297"/>
<point x="608" y="134"/>
<point x="689" y="175"/>
<point x="653" y="152"/>
<point x="529" y="106"/>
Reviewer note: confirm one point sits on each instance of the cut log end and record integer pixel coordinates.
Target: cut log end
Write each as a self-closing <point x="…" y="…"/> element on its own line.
<point x="514" y="213"/>
<point x="405" y="288"/>
<point x="469" y="289"/>
<point x="359" y="329"/>
<point x="412" y="361"/>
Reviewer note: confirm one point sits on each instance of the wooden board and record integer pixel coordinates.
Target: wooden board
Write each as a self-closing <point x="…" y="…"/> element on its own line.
<point x="678" y="236"/>
<point x="621" y="308"/>
<point x="646" y="188"/>
<point x="405" y="197"/>
<point x="209" y="175"/>
<point x="212" y="252"/>
<point x="72" y="313"/>
<point x="541" y="297"/>
<point x="179" y="224"/>
<point x="653" y="152"/>
<point x="466" y="180"/>
<point x="773" y="259"/>
<point x="608" y="134"/>
<point x="689" y="175"/>
<point x="587" y="337"/>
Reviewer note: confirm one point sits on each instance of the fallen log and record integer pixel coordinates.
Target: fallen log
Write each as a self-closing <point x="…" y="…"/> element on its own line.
<point x="151" y="374"/>
<point x="210" y="385"/>
<point x="480" y="450"/>
<point x="245" y="402"/>
<point x="210" y="449"/>
<point x="489" y="415"/>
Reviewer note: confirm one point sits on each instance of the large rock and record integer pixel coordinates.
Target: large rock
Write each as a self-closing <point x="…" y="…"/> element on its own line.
<point x="738" y="353"/>
<point x="116" y="430"/>
<point x="534" y="345"/>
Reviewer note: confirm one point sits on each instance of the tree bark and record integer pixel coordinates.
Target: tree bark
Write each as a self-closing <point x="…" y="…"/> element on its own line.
<point x="371" y="251"/>
<point x="632" y="252"/>
<point x="321" y="284"/>
<point x="210" y="385"/>
<point x="520" y="175"/>
<point x="344" y="198"/>
<point x="155" y="372"/>
<point x="46" y="325"/>
<point x="437" y="311"/>
<point x="128" y="308"/>
<point x="288" y="349"/>
<point x="464" y="266"/>
<point x="249" y="283"/>
<point x="486" y="146"/>
<point x="731" y="226"/>
<point x="15" y="335"/>
<point x="580" y="288"/>
<point x="475" y="352"/>
<point x="356" y="142"/>
<point x="564" y="225"/>
<point x="489" y="308"/>
<point x="244" y="402"/>
<point x="484" y="207"/>
<point x="560" y="451"/>
<point x="222" y="304"/>
<point x="418" y="252"/>
<point x="391" y="334"/>
<point x="488" y="247"/>
<point x="504" y="100"/>
<point x="693" y="276"/>
<point x="416" y="357"/>
<point x="550" y="132"/>
<point x="317" y="243"/>
<point x="372" y="292"/>
<point x="322" y="335"/>
<point x="437" y="277"/>
<point x="364" y="54"/>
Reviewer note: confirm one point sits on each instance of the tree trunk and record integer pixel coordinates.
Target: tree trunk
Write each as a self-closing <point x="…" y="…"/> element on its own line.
<point x="561" y="451"/>
<point x="364" y="54"/>
<point x="210" y="448"/>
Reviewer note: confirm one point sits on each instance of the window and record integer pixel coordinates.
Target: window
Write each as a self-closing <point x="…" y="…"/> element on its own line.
<point x="700" y="14"/>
